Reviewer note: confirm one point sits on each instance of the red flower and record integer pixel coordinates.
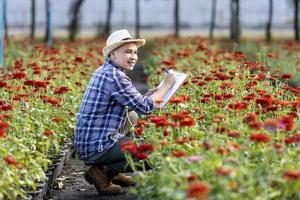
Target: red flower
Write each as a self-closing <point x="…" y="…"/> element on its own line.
<point x="50" y="100"/>
<point x="6" y="107"/>
<point x="198" y="191"/>
<point x="206" y="144"/>
<point x="234" y="134"/>
<point x="128" y="146"/>
<point x="255" y="125"/>
<point x="142" y="156"/>
<point x="286" y="123"/>
<point x="176" y="100"/>
<point x="187" y="121"/>
<point x="178" y="154"/>
<point x="250" y="117"/>
<point x="138" y="131"/>
<point x="18" y="75"/>
<point x="29" y="82"/>
<point x="261" y="76"/>
<point x="293" y="174"/>
<point x="264" y="102"/>
<point x="48" y="132"/>
<point x="2" y="132"/>
<point x="222" y="150"/>
<point x="11" y="161"/>
<point x="239" y="55"/>
<point x="4" y="125"/>
<point x="286" y="76"/>
<point x="168" y="62"/>
<point x="260" y="137"/>
<point x="142" y="123"/>
<point x="182" y="140"/>
<point x="166" y="133"/>
<point x="78" y="60"/>
<point x="292" y="139"/>
<point x="222" y="171"/>
<point x="41" y="84"/>
<point x="145" y="148"/>
<point x="3" y="84"/>
<point x="58" y="119"/>
<point x="61" y="90"/>
<point x="191" y="178"/>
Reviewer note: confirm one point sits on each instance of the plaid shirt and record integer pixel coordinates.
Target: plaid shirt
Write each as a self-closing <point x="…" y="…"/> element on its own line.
<point x="102" y="109"/>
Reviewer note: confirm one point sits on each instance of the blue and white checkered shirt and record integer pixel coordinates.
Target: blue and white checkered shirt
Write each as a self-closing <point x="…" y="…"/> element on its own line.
<point x="102" y="109"/>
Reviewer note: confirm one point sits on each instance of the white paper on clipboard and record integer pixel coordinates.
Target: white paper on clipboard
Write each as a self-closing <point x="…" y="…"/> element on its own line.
<point x="179" y="79"/>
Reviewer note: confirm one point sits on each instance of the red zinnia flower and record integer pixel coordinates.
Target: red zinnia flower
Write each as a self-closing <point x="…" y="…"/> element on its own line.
<point x="61" y="90"/>
<point x="166" y="133"/>
<point x="191" y="178"/>
<point x="187" y="121"/>
<point x="142" y="156"/>
<point x="128" y="146"/>
<point x="255" y="125"/>
<point x="178" y="154"/>
<point x="138" y="131"/>
<point x="198" y="191"/>
<point x="3" y="84"/>
<point x="264" y="102"/>
<point x="145" y="148"/>
<point x="260" y="137"/>
<point x="292" y="139"/>
<point x="234" y="134"/>
<point x="286" y="123"/>
<point x="11" y="161"/>
<point x="58" y="119"/>
<point x="6" y="107"/>
<point x="18" y="75"/>
<point x="293" y="174"/>
<point x="48" y="132"/>
<point x="286" y="76"/>
<point x="250" y="117"/>
<point x="222" y="171"/>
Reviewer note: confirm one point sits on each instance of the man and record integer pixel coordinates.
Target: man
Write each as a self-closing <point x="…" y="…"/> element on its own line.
<point x="102" y="124"/>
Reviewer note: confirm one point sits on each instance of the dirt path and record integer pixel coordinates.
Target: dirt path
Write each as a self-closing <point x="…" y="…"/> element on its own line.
<point x="71" y="185"/>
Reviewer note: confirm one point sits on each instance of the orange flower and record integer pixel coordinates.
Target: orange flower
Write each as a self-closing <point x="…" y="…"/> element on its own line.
<point x="58" y="119"/>
<point x="48" y="132"/>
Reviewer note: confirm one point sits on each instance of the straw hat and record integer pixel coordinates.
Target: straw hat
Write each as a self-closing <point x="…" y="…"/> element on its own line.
<point x="117" y="39"/>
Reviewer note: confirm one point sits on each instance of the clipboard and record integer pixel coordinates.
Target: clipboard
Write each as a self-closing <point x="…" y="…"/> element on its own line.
<point x="179" y="80"/>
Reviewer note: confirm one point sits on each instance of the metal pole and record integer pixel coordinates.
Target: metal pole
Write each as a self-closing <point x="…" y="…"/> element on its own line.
<point x="2" y="33"/>
<point x="49" y="39"/>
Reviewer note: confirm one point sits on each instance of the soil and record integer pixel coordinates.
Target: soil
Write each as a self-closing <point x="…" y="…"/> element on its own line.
<point x="70" y="185"/>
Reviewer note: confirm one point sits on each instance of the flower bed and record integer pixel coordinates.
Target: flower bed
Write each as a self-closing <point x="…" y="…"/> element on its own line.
<point x="232" y="131"/>
<point x="40" y="91"/>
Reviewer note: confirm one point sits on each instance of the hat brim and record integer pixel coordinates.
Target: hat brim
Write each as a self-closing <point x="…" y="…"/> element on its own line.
<point x="107" y="49"/>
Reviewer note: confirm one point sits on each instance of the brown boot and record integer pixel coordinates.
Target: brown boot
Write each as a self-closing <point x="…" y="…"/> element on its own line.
<point x="98" y="177"/>
<point x="123" y="180"/>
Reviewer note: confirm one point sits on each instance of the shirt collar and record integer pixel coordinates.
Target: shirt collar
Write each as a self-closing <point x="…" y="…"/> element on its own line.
<point x="109" y="61"/>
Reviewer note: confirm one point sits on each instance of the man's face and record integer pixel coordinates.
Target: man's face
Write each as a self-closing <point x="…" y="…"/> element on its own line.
<point x="125" y="56"/>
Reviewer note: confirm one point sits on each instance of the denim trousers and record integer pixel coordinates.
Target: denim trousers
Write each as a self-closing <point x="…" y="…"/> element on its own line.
<point x="114" y="158"/>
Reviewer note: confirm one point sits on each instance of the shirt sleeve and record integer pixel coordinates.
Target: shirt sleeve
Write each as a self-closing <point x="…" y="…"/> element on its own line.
<point x="126" y="94"/>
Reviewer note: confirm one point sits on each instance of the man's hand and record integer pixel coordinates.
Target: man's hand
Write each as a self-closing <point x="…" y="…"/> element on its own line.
<point x="151" y="91"/>
<point x="169" y="79"/>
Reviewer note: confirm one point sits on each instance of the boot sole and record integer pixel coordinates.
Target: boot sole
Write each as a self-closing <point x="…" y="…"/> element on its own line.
<point x="89" y="179"/>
